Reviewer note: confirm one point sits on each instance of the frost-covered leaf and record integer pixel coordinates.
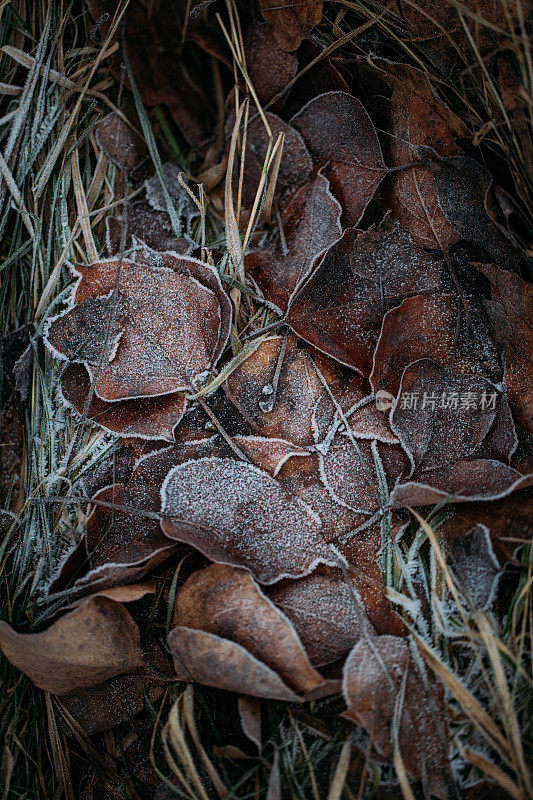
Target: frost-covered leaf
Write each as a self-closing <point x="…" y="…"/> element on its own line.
<point x="326" y="612"/>
<point x="227" y="603"/>
<point x="437" y="328"/>
<point x="338" y="132"/>
<point x="341" y="308"/>
<point x="236" y="514"/>
<point x="310" y="223"/>
<point x="388" y="693"/>
<point x="119" y="142"/>
<point x="95" y="641"/>
<point x="153" y="333"/>
<point x="268" y="454"/>
<point x="291" y="22"/>
<point x="145" y="418"/>
<point x="269" y="66"/>
<point x="183" y="203"/>
<point x="278" y="388"/>
<point x="475" y="566"/>
<point x="143" y="225"/>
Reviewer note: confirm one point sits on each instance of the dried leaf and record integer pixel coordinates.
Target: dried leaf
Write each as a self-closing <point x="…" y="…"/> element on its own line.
<point x="185" y="207"/>
<point x="384" y="686"/>
<point x="475" y="566"/>
<point x="227" y="602"/>
<point x="90" y="644"/>
<point x="213" y="661"/>
<point x="338" y="131"/>
<point x="269" y="66"/>
<point x="291" y="22"/>
<point x="309" y="225"/>
<point x="119" y="143"/>
<point x="141" y="224"/>
<point x="328" y="615"/>
<point x="268" y="454"/>
<point x="153" y="418"/>
<point x="513" y="321"/>
<point x="341" y="308"/>
<point x="147" y="352"/>
<point x="236" y="514"/>
<point x="273" y="382"/>
<point x="250" y="714"/>
<point x="438" y="328"/>
<point x="463" y="186"/>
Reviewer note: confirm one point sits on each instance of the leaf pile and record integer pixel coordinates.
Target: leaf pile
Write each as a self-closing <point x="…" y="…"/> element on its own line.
<point x="382" y="274"/>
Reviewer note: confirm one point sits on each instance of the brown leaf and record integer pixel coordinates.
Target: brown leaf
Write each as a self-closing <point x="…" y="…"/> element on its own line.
<point x="515" y="331"/>
<point x="384" y="685"/>
<point x="442" y="427"/>
<point x="227" y="602"/>
<point x="119" y="143"/>
<point x="269" y="66"/>
<point x="144" y="418"/>
<point x="90" y="644"/>
<point x="250" y="715"/>
<point x="165" y="327"/>
<point x="338" y="131"/>
<point x="236" y="514"/>
<point x="418" y="117"/>
<point x="350" y="473"/>
<point x="291" y="22"/>
<point x="184" y="206"/>
<point x="268" y="454"/>
<point x="213" y="661"/>
<point x="322" y="77"/>
<point x="463" y="482"/>
<point x="309" y="225"/>
<point x="122" y="542"/>
<point x="340" y="309"/>
<point x="475" y="566"/>
<point x="463" y="186"/>
<point x="142" y="224"/>
<point x="328" y="616"/>
<point x="273" y="382"/>
<point x="434" y="327"/>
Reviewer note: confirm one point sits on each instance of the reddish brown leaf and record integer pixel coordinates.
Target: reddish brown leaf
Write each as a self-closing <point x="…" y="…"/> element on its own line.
<point x="212" y="661"/>
<point x="268" y="454"/>
<point x="340" y="309"/>
<point x="310" y="224"/>
<point x="227" y="602"/>
<point x="142" y="225"/>
<point x="339" y="132"/>
<point x="291" y="21"/>
<point x="434" y="327"/>
<point x="328" y="616"/>
<point x="250" y="714"/>
<point x="236" y="514"/>
<point x="442" y="417"/>
<point x="270" y="67"/>
<point x="165" y="328"/>
<point x="90" y="644"/>
<point x="463" y="186"/>
<point x="154" y="418"/>
<point x="515" y="331"/>
<point x="278" y="389"/>
<point x="384" y="685"/>
<point x="119" y="143"/>
<point x="463" y="482"/>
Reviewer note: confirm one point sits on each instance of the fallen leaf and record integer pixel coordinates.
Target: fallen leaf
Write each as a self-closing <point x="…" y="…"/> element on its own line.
<point x="278" y="378"/>
<point x="387" y="693"/>
<point x="291" y="22"/>
<point x="136" y="351"/>
<point x="309" y="226"/>
<point x="236" y="514"/>
<point x="268" y="454"/>
<point x="269" y="66"/>
<point x="212" y="661"/>
<point x="322" y="77"/>
<point x="438" y="328"/>
<point x="341" y="308"/>
<point x="329" y="616"/>
<point x="146" y="418"/>
<point x="227" y="603"/>
<point x="184" y="206"/>
<point x="463" y="186"/>
<point x="142" y="224"/>
<point x="250" y="715"/>
<point x="475" y="566"/>
<point x="95" y="641"/>
<point x="119" y="143"/>
<point x="515" y="332"/>
<point x="338" y="131"/>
